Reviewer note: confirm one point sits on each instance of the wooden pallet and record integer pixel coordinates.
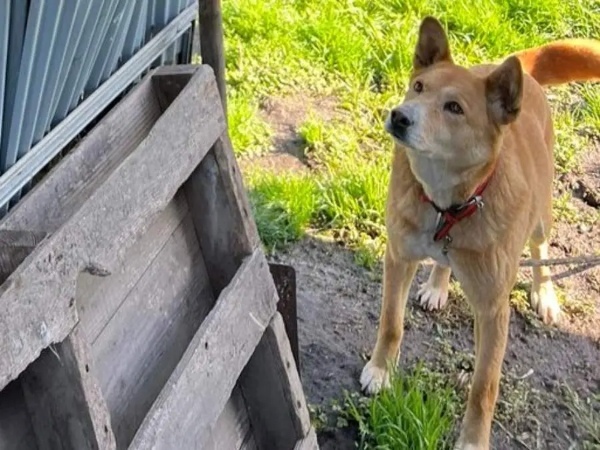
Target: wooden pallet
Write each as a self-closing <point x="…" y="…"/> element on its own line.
<point x="138" y="310"/>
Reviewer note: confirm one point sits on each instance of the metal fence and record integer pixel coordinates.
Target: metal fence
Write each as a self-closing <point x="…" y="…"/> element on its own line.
<point x="62" y="62"/>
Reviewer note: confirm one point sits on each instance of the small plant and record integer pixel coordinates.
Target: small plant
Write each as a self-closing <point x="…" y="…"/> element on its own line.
<point x="417" y="412"/>
<point x="586" y="414"/>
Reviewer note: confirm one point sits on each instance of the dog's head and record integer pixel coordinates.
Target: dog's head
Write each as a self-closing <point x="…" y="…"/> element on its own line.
<point x="450" y="113"/>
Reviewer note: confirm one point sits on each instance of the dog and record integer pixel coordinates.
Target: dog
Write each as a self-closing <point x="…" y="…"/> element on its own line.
<point x="470" y="186"/>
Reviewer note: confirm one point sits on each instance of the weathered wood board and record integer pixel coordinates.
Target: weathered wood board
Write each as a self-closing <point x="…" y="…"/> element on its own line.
<point x="138" y="309"/>
<point x="196" y="393"/>
<point x="41" y="311"/>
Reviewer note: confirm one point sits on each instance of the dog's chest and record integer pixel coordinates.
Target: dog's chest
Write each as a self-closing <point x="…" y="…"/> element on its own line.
<point x="419" y="244"/>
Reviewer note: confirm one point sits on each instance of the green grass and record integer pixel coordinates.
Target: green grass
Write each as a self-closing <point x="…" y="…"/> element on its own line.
<point x="418" y="412"/>
<point x="283" y="207"/>
<point x="249" y="132"/>
<point x="360" y="53"/>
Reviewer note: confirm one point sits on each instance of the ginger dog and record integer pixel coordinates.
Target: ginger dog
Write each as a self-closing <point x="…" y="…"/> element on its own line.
<point x="471" y="184"/>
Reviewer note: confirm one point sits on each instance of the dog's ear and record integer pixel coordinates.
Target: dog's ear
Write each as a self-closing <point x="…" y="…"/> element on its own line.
<point x="504" y="91"/>
<point x="432" y="46"/>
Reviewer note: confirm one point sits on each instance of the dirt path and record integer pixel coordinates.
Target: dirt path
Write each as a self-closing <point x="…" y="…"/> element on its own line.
<point x="338" y="307"/>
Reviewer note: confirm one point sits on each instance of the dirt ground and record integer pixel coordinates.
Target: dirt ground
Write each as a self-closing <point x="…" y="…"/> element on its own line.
<point x="338" y="308"/>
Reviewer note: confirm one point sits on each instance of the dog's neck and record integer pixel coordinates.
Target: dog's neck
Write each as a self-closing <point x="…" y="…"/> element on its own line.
<point x="442" y="184"/>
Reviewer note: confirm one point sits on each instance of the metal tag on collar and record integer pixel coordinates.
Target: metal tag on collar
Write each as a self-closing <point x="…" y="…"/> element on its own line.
<point x="446" y="246"/>
<point x="478" y="201"/>
<point x="438" y="220"/>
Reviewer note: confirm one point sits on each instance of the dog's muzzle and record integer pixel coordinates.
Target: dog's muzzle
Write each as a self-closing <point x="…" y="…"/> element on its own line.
<point x="398" y="123"/>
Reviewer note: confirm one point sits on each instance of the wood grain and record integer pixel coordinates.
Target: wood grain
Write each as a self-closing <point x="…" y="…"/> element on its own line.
<point x="64" y="401"/>
<point x="191" y="402"/>
<point x="37" y="301"/>
<point x="273" y="392"/>
<point x="140" y="347"/>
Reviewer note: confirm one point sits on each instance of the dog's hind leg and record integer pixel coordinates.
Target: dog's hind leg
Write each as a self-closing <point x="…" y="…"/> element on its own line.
<point x="434" y="293"/>
<point x="543" y="298"/>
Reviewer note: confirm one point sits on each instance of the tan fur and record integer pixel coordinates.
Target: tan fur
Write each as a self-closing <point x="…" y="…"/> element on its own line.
<point x="506" y="131"/>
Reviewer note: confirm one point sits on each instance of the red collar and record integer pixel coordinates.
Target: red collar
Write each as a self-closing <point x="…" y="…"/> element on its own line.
<point x="449" y="217"/>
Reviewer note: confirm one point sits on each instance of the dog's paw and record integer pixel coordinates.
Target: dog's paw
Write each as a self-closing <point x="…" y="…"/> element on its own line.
<point x="545" y="303"/>
<point x="432" y="297"/>
<point x="373" y="378"/>
<point x="469" y="447"/>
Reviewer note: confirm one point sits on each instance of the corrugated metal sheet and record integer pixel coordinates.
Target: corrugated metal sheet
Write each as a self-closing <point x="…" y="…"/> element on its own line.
<point x="55" y="54"/>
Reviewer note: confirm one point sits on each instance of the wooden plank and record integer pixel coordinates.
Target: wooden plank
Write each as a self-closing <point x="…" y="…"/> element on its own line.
<point x="273" y="391"/>
<point x="191" y="402"/>
<point x="41" y="310"/>
<point x="309" y="442"/>
<point x="232" y="429"/>
<point x="140" y="347"/>
<point x="212" y="49"/>
<point x="169" y="81"/>
<point x="221" y="214"/>
<point x="98" y="298"/>
<point x="15" y="246"/>
<point x="64" y="189"/>
<point x="64" y="401"/>
<point x="16" y="432"/>
<point x="235" y="189"/>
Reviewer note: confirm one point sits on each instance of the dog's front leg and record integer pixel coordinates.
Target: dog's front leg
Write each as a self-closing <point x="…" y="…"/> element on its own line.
<point x="491" y="332"/>
<point x="398" y="274"/>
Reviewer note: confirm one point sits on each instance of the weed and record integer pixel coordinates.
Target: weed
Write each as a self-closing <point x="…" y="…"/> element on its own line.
<point x="586" y="414"/>
<point x="563" y="209"/>
<point x="318" y="417"/>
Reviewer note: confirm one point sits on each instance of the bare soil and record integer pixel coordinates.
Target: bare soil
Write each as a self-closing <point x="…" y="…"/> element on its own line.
<point x="338" y="308"/>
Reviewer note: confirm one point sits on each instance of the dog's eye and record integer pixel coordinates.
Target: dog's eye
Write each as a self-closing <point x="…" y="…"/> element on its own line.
<point x="454" y="108"/>
<point x="418" y="87"/>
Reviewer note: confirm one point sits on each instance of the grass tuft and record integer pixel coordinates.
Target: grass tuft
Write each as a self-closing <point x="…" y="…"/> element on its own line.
<point x="586" y="414"/>
<point x="283" y="207"/>
<point x="417" y="412"/>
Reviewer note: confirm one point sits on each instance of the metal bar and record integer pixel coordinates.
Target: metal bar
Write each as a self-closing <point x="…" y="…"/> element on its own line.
<point x="4" y="27"/>
<point x="71" y="60"/>
<point x="83" y="58"/>
<point x="37" y="49"/>
<point x="55" y="63"/>
<point x="48" y="58"/>
<point x="133" y="39"/>
<point x="16" y="37"/>
<point x="108" y="10"/>
<point x="160" y="19"/>
<point x="106" y="48"/>
<point x="150" y="31"/>
<point x="117" y="51"/>
<point x="28" y="166"/>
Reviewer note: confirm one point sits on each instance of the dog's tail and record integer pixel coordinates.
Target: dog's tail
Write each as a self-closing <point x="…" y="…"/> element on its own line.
<point x="562" y="61"/>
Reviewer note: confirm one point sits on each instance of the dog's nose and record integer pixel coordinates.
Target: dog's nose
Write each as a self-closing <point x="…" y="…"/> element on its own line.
<point x="400" y="120"/>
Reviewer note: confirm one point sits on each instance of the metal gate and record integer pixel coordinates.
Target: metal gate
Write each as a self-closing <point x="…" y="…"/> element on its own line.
<point x="62" y="62"/>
